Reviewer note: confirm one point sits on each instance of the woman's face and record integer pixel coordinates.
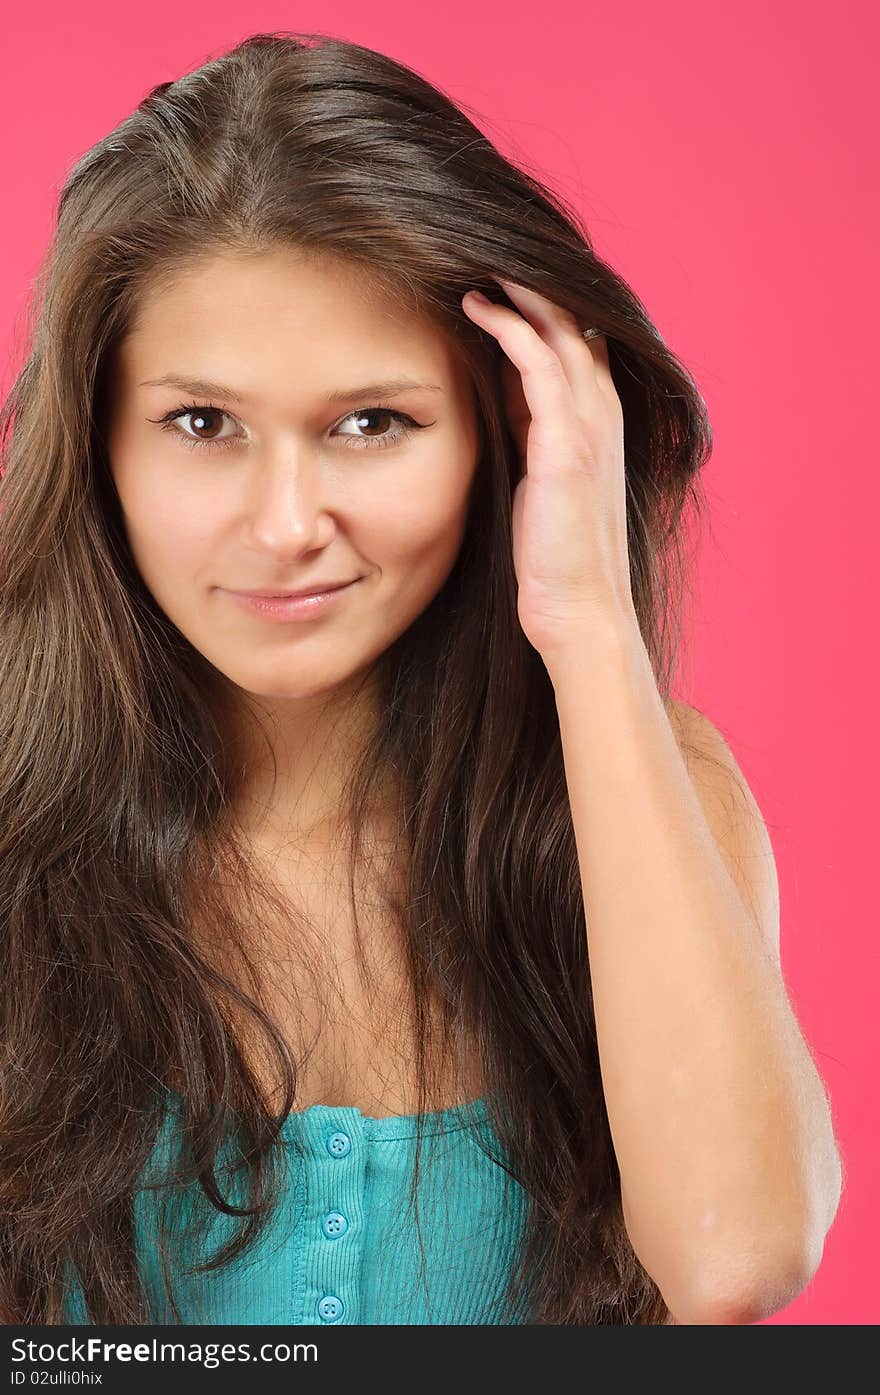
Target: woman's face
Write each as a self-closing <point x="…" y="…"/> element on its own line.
<point x="296" y="472"/>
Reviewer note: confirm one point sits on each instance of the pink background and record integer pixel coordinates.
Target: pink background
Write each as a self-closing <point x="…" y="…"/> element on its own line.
<point x="725" y="158"/>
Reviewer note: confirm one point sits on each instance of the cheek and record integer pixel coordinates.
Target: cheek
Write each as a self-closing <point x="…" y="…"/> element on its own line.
<point x="170" y="535"/>
<point x="420" y="527"/>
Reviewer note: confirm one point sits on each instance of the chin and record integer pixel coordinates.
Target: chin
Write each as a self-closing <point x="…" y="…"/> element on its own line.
<point x="293" y="686"/>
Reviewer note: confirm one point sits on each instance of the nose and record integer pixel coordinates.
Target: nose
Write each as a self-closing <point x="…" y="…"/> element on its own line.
<point x="287" y="503"/>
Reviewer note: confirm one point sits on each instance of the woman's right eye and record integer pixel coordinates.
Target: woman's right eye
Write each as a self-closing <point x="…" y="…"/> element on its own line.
<point x="201" y="413"/>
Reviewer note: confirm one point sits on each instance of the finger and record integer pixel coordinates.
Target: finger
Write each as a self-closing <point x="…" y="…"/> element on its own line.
<point x="555" y="425"/>
<point x="562" y="331"/>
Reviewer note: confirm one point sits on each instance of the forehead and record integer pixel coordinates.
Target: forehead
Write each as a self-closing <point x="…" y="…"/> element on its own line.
<point x="284" y="310"/>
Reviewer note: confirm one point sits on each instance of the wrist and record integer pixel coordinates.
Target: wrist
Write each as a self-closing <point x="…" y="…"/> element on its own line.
<point x="599" y="638"/>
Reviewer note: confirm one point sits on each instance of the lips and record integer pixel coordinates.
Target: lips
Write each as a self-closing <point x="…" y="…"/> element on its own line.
<point x="316" y="590"/>
<point x="297" y="608"/>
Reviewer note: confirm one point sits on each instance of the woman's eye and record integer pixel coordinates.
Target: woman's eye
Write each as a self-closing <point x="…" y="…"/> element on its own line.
<point x="362" y="419"/>
<point x="201" y="420"/>
<point x="365" y="419"/>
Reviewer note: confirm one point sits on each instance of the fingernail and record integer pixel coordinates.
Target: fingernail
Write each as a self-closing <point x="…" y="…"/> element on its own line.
<point x="479" y="297"/>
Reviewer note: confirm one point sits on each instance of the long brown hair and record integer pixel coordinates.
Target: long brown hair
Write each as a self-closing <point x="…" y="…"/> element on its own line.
<point x="115" y="777"/>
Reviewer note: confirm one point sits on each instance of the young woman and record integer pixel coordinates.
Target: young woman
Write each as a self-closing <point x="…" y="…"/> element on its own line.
<point x="406" y="953"/>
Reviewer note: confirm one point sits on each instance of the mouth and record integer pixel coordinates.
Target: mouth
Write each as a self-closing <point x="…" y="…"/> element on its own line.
<point x="293" y="607"/>
<point x="317" y="590"/>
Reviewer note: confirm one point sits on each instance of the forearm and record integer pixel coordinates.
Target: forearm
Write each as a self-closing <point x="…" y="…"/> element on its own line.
<point x="713" y="1100"/>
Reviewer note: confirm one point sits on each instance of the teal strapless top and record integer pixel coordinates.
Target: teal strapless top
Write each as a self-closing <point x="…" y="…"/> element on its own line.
<point x="342" y="1245"/>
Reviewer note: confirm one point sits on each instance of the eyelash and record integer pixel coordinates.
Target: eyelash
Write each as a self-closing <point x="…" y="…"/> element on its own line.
<point x="359" y="442"/>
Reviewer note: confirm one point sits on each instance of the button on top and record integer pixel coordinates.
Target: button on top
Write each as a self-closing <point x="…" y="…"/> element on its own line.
<point x="330" y="1308"/>
<point x="334" y="1224"/>
<point x="338" y="1144"/>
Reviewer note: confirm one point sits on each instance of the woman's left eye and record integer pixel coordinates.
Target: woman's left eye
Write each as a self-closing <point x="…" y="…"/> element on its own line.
<point x="202" y="414"/>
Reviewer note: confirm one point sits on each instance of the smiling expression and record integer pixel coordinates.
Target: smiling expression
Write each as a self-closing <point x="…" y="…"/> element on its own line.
<point x="311" y="463"/>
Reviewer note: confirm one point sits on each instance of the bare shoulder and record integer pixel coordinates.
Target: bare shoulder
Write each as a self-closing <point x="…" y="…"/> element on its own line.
<point x="733" y="815"/>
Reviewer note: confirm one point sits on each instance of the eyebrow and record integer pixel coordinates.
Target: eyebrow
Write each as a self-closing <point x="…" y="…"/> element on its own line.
<point x="200" y="387"/>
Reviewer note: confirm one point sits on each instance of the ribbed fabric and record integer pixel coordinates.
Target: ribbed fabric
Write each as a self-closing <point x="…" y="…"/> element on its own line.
<point x="342" y="1245"/>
